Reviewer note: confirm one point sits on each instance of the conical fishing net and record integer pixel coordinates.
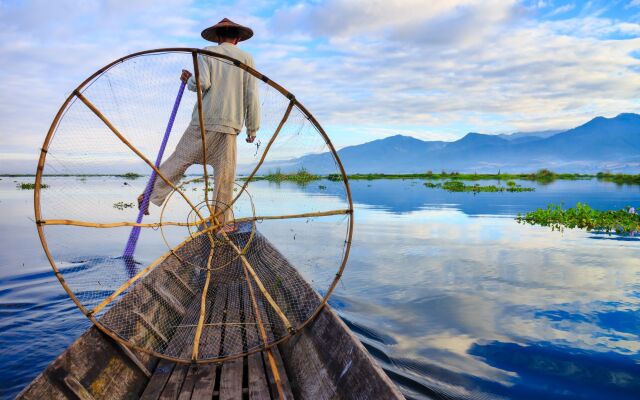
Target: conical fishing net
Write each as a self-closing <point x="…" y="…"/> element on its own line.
<point x="240" y="237"/>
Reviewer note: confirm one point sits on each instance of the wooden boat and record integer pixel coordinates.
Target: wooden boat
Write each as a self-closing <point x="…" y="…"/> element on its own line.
<point x="324" y="360"/>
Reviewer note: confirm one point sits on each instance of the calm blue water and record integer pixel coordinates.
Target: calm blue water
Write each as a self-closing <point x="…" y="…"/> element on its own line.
<point x="449" y="293"/>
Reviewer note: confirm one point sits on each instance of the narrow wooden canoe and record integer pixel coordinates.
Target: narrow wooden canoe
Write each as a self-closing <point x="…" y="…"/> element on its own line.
<point x="322" y="361"/>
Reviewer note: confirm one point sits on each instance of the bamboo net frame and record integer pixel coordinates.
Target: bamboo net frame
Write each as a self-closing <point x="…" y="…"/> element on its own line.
<point x="212" y="224"/>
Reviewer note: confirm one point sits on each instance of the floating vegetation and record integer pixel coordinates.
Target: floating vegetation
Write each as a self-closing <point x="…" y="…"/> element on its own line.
<point x="121" y="205"/>
<point x="619" y="178"/>
<point x="583" y="217"/>
<point x="30" y="186"/>
<point x="130" y="175"/>
<point x="457" y="186"/>
<point x="302" y="177"/>
<point x="542" y="176"/>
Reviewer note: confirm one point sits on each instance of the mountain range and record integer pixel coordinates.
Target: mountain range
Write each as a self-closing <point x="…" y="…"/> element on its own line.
<point x="611" y="144"/>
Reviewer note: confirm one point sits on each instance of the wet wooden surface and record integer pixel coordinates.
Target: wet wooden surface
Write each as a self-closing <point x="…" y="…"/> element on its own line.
<point x="322" y="361"/>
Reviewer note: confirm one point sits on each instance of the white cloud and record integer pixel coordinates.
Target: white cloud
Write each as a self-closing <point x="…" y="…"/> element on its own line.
<point x="491" y="65"/>
<point x="563" y="9"/>
<point x="409" y="20"/>
<point x="498" y="65"/>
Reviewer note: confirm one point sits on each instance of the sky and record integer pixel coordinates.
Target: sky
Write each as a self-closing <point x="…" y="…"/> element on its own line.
<point x="433" y="69"/>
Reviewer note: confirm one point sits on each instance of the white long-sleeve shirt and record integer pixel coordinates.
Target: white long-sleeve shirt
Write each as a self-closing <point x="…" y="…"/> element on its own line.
<point x="230" y="95"/>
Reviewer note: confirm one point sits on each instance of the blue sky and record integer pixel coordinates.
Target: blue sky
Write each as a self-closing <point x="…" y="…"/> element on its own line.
<point x="367" y="69"/>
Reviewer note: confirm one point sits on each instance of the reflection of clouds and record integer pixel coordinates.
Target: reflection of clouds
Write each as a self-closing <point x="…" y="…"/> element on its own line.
<point x="417" y="341"/>
<point x="444" y="281"/>
<point x="432" y="282"/>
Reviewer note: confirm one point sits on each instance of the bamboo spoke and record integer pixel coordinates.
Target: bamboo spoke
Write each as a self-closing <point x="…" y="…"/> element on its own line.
<point x="127" y="284"/>
<point x="265" y="292"/>
<point x="263" y="334"/>
<point x="256" y="278"/>
<point x="284" y="119"/>
<point x="139" y="154"/>
<point x="133" y="148"/>
<point x="88" y="224"/>
<point x="203" y="299"/>
<point x="292" y="216"/>
<point x="147" y="269"/>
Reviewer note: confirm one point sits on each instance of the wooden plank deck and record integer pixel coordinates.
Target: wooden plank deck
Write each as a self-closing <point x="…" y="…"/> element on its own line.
<point x="249" y="377"/>
<point x="322" y="361"/>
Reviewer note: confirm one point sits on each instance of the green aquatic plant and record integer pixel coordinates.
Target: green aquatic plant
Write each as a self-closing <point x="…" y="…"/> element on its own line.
<point x="121" y="205"/>
<point x="541" y="176"/>
<point x="458" y="186"/>
<point x="584" y="217"/>
<point x="302" y="177"/>
<point x="130" y="175"/>
<point x="618" y="178"/>
<point x="30" y="186"/>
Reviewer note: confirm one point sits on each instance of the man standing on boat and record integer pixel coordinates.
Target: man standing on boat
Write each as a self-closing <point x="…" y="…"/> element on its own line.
<point x="229" y="102"/>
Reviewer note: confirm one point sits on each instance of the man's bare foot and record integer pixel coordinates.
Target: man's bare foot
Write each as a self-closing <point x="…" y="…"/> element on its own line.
<point x="140" y="200"/>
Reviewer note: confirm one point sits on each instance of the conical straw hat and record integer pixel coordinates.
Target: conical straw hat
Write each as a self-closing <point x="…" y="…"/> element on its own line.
<point x="211" y="33"/>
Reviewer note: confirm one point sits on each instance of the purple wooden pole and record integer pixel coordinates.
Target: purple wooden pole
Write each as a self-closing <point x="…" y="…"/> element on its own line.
<point x="135" y="232"/>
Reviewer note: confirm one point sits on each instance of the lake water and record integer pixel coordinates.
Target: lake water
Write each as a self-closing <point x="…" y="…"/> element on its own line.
<point x="450" y="295"/>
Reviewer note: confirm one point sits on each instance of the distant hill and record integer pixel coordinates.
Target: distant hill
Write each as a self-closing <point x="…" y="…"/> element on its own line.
<point x="601" y="144"/>
<point x="522" y="137"/>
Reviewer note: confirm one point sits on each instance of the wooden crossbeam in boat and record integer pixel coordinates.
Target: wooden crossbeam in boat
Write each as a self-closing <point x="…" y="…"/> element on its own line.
<point x="77" y="388"/>
<point x="182" y="283"/>
<point x="156" y="332"/>
<point x="167" y="298"/>
<point x="134" y="359"/>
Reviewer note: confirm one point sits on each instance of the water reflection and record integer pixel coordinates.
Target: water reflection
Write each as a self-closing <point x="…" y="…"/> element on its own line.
<point x="450" y="295"/>
<point x="403" y="196"/>
<point x="546" y="370"/>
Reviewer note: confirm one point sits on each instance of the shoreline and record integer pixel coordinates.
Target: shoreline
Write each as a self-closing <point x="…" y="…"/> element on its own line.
<point x="305" y="176"/>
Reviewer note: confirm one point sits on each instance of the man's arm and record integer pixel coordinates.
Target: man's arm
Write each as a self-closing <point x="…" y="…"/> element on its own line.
<point x="252" y="104"/>
<point x="205" y="76"/>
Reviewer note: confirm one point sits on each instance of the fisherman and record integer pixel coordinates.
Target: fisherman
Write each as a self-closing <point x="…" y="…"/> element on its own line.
<point x="230" y="100"/>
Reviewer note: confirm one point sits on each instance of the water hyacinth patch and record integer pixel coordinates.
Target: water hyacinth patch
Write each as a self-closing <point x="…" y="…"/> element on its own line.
<point x="30" y="186"/>
<point x="458" y="186"/>
<point x="584" y="217"/>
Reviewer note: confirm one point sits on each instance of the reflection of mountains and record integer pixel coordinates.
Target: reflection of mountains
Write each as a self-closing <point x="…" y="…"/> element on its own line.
<point x="571" y="372"/>
<point x="538" y="368"/>
<point x="403" y="196"/>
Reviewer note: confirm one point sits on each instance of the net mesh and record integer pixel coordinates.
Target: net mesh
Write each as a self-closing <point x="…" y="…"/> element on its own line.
<point x="240" y="237"/>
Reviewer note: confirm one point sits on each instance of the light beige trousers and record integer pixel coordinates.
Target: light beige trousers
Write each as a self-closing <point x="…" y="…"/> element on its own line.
<point x="221" y="155"/>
